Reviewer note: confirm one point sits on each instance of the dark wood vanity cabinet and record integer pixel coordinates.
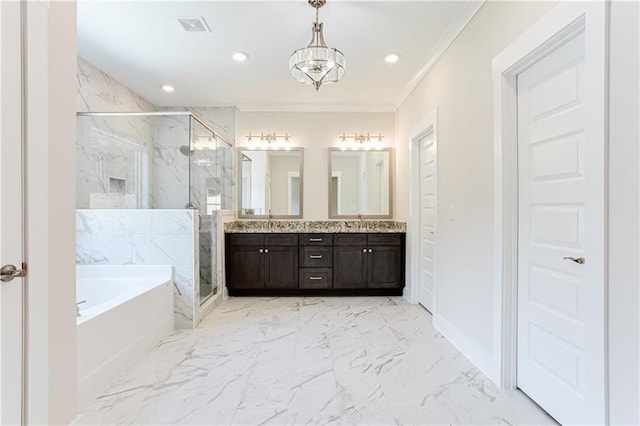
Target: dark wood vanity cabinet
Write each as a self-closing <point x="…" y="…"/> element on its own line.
<point x="374" y="261"/>
<point x="259" y="261"/>
<point x="315" y="264"/>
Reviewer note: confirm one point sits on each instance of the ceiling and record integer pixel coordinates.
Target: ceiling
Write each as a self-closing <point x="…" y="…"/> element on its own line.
<point x="142" y="45"/>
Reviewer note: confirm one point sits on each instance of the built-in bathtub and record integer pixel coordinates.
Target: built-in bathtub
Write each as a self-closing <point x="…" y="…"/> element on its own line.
<point x="128" y="310"/>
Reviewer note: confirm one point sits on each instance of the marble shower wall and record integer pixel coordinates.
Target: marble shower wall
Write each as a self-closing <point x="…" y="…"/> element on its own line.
<point x="112" y="152"/>
<point x="219" y="175"/>
<point x="172" y="165"/>
<point x="96" y="91"/>
<point x="113" y="167"/>
<point x="146" y="237"/>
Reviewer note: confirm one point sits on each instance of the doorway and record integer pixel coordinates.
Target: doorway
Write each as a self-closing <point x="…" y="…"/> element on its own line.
<point x="422" y="230"/>
<point x="428" y="213"/>
<point x="550" y="211"/>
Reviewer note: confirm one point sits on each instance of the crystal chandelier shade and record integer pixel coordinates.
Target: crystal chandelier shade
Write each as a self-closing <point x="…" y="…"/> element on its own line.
<point x="317" y="63"/>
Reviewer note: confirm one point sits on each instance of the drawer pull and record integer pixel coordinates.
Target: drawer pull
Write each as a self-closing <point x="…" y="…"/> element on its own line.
<point x="315" y="256"/>
<point x="315" y="240"/>
<point x="315" y="278"/>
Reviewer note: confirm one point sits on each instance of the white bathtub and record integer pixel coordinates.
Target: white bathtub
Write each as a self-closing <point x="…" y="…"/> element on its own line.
<point x="128" y="310"/>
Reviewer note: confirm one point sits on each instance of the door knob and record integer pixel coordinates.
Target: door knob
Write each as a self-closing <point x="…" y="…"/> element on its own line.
<point x="9" y="272"/>
<point x="579" y="260"/>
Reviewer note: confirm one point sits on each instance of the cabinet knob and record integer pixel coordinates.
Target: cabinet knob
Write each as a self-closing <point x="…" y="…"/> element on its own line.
<point x="370" y="250"/>
<point x="266" y="250"/>
<point x="261" y="251"/>
<point x="364" y="250"/>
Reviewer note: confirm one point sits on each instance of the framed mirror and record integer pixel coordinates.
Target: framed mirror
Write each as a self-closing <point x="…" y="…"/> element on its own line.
<point x="270" y="183"/>
<point x="360" y="183"/>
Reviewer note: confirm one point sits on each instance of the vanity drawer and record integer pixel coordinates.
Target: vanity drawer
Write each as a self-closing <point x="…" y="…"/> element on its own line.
<point x="383" y="239"/>
<point x="246" y="239"/>
<point x="319" y="257"/>
<point x="316" y="239"/>
<point x="349" y="239"/>
<point x="280" y="240"/>
<point x="315" y="278"/>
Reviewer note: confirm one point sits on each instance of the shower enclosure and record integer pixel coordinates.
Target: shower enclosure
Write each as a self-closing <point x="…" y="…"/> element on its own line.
<point x="163" y="160"/>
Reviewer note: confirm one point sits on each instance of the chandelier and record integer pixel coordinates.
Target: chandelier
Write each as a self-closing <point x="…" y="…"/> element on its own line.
<point x="317" y="63"/>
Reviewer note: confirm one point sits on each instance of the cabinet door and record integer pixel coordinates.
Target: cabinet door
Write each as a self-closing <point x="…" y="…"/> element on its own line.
<point x="349" y="267"/>
<point x="281" y="269"/>
<point x="385" y="267"/>
<point x="246" y="267"/>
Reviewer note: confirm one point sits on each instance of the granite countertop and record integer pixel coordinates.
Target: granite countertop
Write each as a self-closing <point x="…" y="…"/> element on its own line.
<point x="328" y="226"/>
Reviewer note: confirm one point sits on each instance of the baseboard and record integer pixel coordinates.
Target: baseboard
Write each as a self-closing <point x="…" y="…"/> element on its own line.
<point x="482" y="359"/>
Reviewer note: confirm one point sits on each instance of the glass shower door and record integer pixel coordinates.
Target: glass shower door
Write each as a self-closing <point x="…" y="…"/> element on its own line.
<point x="205" y="195"/>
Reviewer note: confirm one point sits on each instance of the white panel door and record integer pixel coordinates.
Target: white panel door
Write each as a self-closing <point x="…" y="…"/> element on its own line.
<point x="558" y="193"/>
<point x="10" y="213"/>
<point x="428" y="210"/>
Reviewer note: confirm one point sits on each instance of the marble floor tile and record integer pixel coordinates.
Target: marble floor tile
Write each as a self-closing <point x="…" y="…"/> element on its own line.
<point x="299" y="361"/>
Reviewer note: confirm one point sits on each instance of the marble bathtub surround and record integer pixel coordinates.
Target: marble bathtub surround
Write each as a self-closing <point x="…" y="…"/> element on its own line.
<point x="294" y="361"/>
<point x="145" y="237"/>
<point x="320" y="226"/>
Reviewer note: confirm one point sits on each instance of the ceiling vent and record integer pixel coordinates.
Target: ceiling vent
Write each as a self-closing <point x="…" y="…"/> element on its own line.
<point x="195" y="24"/>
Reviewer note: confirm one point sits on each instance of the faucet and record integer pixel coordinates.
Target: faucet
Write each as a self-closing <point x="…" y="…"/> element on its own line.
<point x="361" y="221"/>
<point x="78" y="307"/>
<point x="269" y="217"/>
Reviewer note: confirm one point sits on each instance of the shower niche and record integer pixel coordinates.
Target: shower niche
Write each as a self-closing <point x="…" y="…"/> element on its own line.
<point x="164" y="160"/>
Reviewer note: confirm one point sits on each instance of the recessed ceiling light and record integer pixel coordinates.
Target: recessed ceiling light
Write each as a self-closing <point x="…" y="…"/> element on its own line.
<point x="168" y="88"/>
<point x="240" y="56"/>
<point x="391" y="58"/>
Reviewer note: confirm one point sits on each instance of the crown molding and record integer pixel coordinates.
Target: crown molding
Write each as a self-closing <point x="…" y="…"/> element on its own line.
<point x="446" y="39"/>
<point x="316" y="108"/>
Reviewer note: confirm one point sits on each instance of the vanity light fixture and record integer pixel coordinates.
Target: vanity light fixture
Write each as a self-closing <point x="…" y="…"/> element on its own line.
<point x="361" y="141"/>
<point x="317" y="63"/>
<point x="168" y="88"/>
<point x="270" y="140"/>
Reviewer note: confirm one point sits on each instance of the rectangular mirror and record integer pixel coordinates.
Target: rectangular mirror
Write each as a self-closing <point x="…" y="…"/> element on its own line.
<point x="270" y="183"/>
<point x="360" y="183"/>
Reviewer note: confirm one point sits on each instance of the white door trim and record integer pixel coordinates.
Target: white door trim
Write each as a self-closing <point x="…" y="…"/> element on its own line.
<point x="555" y="28"/>
<point x="428" y="124"/>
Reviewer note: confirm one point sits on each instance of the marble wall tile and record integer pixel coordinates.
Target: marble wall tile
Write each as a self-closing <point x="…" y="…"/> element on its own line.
<point x="172" y="165"/>
<point x="96" y="91"/>
<point x="181" y="222"/>
<point x="106" y="145"/>
<point x="223" y="121"/>
<point x="145" y="237"/>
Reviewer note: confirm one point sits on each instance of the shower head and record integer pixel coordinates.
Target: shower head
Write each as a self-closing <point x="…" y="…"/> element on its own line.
<point x="185" y="150"/>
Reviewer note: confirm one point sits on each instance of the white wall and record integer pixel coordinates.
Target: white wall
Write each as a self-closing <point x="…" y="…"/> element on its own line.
<point x="460" y="87"/>
<point x="51" y="200"/>
<point x="315" y="132"/>
<point x="624" y="190"/>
